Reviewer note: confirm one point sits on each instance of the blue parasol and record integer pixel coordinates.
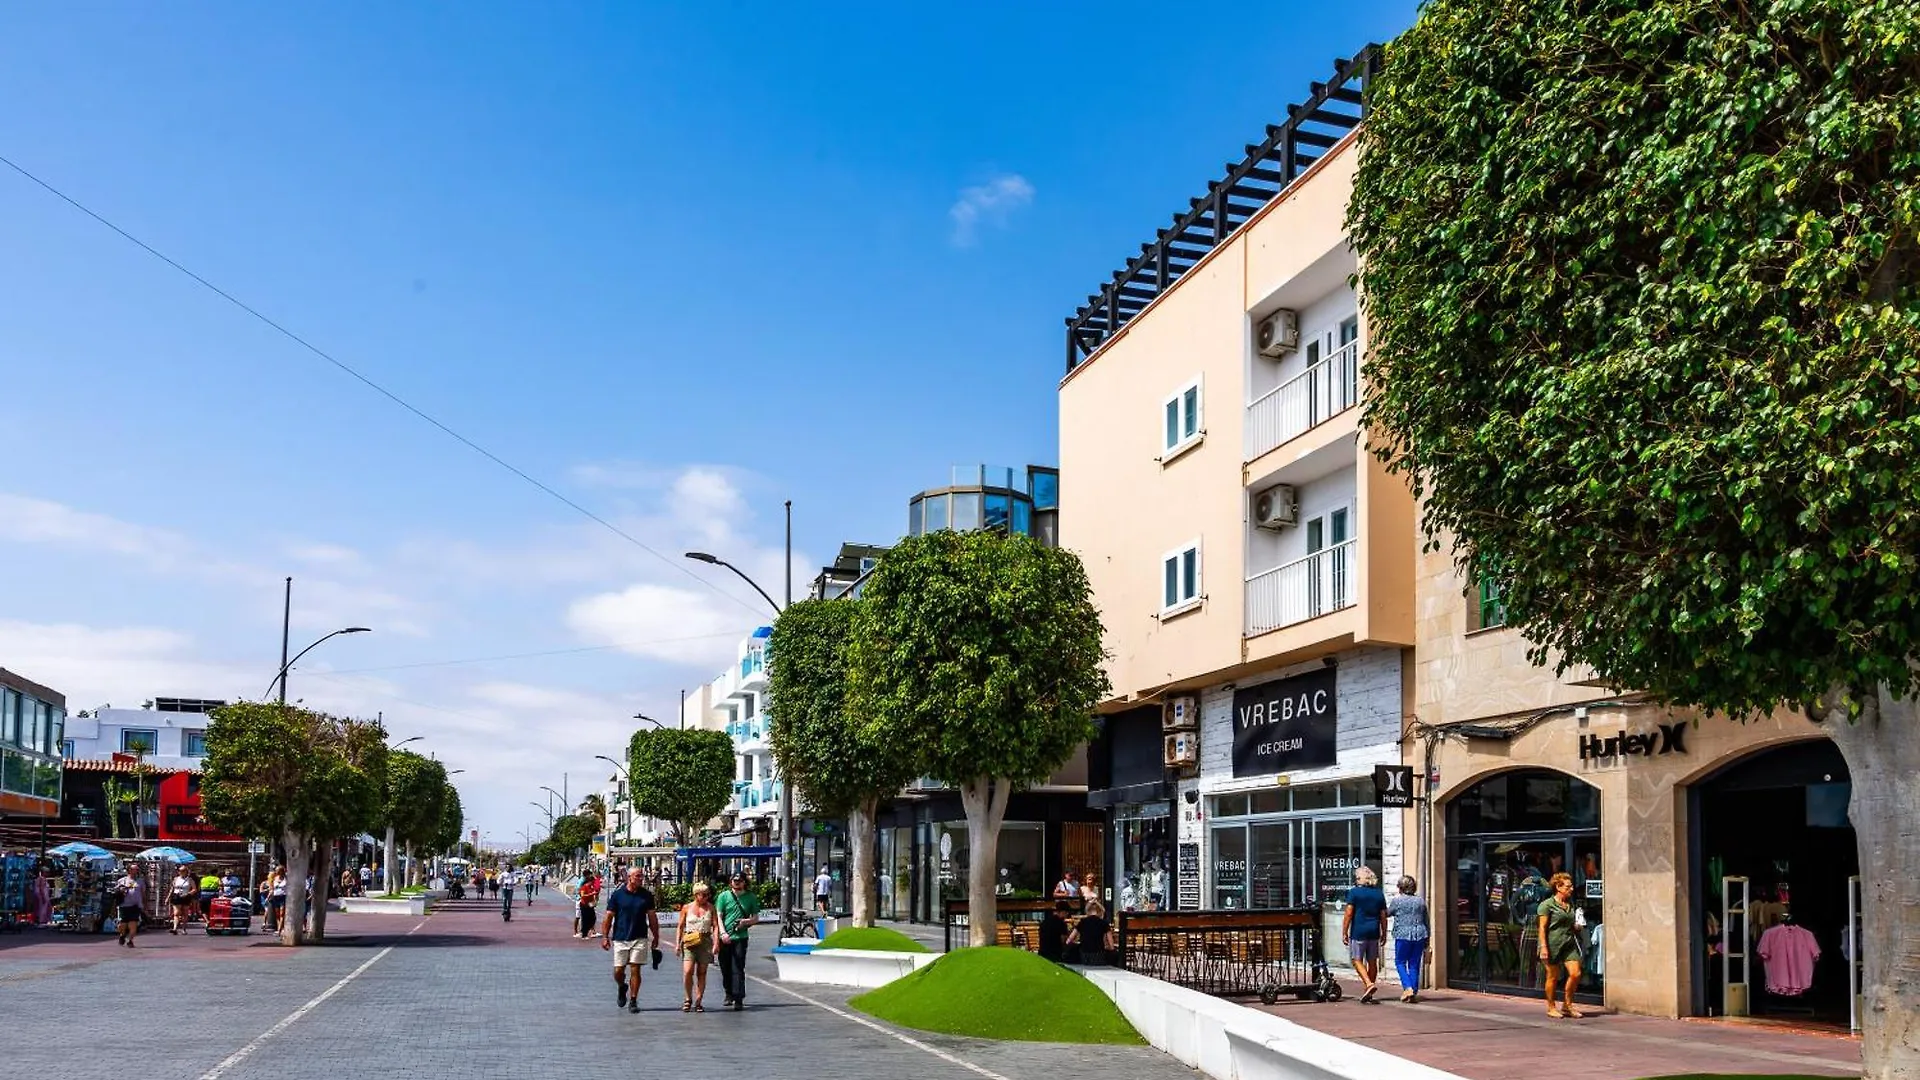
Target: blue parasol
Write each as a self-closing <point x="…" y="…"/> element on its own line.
<point x="173" y="855"/>
<point x="81" y="849"/>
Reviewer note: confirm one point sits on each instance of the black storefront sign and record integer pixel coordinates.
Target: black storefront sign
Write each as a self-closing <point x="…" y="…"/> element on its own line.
<point x="1285" y="725"/>
<point x="1666" y="739"/>
<point x="1187" y="888"/>
<point x="1392" y="786"/>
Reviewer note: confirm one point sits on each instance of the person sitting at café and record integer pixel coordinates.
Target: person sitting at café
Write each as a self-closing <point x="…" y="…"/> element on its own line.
<point x="1093" y="936"/>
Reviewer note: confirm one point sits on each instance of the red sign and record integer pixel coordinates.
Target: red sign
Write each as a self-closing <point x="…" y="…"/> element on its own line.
<point x="180" y="810"/>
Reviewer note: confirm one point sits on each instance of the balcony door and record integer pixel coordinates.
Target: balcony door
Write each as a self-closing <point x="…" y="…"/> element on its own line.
<point x="1327" y="578"/>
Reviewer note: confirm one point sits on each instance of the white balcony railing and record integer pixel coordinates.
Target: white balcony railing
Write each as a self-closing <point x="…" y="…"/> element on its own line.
<point x="1305" y="401"/>
<point x="1302" y="589"/>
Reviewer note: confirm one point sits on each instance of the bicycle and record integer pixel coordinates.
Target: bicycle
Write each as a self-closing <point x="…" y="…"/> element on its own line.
<point x="799" y="923"/>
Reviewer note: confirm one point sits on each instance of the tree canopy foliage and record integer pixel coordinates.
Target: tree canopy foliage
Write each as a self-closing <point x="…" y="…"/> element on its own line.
<point x="982" y="652"/>
<point x="1644" y="328"/>
<point x="415" y="797"/>
<point x="681" y="775"/>
<point x="273" y="769"/>
<point x="446" y="832"/>
<point x="835" y="759"/>
<point x="571" y="833"/>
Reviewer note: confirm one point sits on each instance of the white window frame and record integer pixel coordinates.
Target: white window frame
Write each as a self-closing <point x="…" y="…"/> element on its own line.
<point x="1191" y="601"/>
<point x="1197" y="420"/>
<point x="124" y="732"/>
<point x="186" y="743"/>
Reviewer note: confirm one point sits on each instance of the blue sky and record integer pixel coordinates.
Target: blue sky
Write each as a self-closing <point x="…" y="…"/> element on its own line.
<point x="681" y="262"/>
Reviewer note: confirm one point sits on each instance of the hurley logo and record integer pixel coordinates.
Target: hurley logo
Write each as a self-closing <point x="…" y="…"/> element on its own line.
<point x="1670" y="739"/>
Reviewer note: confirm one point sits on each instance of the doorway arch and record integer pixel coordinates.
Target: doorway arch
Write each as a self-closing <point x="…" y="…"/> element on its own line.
<point x="1507" y="834"/>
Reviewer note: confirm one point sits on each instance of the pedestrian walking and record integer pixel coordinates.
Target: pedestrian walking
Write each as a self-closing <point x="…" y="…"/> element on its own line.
<point x="1560" y="945"/>
<point x="366" y="878"/>
<point x="822" y="891"/>
<point x="493" y="884"/>
<point x="1411" y="929"/>
<point x="589" y="895"/>
<point x="1364" y="927"/>
<point x="694" y="944"/>
<point x="631" y="932"/>
<point x="276" y="899"/>
<point x="132" y="904"/>
<point x="739" y="911"/>
<point x="347" y="881"/>
<point x="184" y="895"/>
<point x="507" y="880"/>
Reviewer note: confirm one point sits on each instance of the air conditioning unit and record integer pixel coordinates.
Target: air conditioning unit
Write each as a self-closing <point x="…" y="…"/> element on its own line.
<point x="1279" y="333"/>
<point x="1182" y="749"/>
<point x="1180" y="713"/>
<point x="1276" y="507"/>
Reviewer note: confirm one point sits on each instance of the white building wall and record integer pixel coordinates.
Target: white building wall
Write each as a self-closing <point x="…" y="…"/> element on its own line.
<point x="100" y="736"/>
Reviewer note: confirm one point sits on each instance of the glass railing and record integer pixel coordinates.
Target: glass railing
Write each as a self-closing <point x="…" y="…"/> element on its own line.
<point x="31" y="775"/>
<point x="1302" y="589"/>
<point x="1304" y="402"/>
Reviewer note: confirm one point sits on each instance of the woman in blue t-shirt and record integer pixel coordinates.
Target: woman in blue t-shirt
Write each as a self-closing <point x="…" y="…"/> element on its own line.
<point x="1363" y="928"/>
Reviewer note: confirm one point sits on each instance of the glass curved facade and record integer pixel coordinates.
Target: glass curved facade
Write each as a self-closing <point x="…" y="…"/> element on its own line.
<point x="1025" y="501"/>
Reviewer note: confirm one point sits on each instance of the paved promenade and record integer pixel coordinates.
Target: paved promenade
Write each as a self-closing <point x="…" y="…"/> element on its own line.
<point x="1487" y="1037"/>
<point x="456" y="994"/>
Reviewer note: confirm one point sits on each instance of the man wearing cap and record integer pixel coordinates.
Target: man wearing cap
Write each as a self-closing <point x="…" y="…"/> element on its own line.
<point x="739" y="910"/>
<point x="631" y="929"/>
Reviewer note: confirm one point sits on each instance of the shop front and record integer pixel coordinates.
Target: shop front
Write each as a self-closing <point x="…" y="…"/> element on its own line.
<point x="1128" y="778"/>
<point x="1689" y="840"/>
<point x="924" y="853"/>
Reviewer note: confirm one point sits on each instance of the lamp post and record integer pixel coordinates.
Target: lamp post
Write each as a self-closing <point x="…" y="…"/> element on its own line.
<point x="788" y="865"/>
<point x="626" y="784"/>
<point x="280" y="676"/>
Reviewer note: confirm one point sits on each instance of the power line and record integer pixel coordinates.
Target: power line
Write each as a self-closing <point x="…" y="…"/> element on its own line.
<point x="369" y="383"/>
<point x="535" y="655"/>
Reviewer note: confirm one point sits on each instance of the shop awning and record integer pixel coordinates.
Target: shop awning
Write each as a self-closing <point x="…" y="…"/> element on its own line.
<point x="1158" y="791"/>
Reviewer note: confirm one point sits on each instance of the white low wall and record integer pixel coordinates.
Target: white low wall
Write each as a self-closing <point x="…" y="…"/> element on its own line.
<point x="373" y="905"/>
<point x="1233" y="1042"/>
<point x="849" y="967"/>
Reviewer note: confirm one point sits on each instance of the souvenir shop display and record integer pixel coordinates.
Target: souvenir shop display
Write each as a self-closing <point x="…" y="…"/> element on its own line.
<point x="81" y="892"/>
<point x="16" y="890"/>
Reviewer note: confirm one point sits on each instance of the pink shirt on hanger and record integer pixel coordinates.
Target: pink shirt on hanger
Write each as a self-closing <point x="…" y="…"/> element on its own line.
<point x="1789" y="951"/>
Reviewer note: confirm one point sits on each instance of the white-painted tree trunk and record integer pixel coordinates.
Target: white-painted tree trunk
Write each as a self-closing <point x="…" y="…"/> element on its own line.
<point x="1882" y="751"/>
<point x="985" y="800"/>
<point x="860" y="890"/>
<point x="413" y="868"/>
<point x="294" y="914"/>
<point x="387" y="884"/>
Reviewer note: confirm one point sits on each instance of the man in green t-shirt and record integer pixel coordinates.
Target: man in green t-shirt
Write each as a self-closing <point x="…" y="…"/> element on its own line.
<point x="739" y="909"/>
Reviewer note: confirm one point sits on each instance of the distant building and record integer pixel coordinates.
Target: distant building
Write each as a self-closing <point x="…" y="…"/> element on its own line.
<point x="168" y="740"/>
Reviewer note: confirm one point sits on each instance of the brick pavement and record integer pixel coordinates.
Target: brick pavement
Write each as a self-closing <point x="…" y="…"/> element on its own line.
<point x="1489" y="1037"/>
<point x="452" y="995"/>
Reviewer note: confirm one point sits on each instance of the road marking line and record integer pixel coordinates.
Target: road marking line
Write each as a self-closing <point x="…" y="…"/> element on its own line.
<point x="241" y="1054"/>
<point x="864" y="1022"/>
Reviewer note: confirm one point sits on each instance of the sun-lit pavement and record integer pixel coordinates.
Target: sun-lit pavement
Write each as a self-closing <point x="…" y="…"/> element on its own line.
<point x="459" y="993"/>
<point x="1486" y="1037"/>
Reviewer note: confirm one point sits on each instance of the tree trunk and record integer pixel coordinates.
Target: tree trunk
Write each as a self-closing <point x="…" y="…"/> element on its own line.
<point x="386" y="865"/>
<point x="1882" y="751"/>
<point x="860" y="890"/>
<point x="413" y="868"/>
<point x="985" y="800"/>
<point x="322" y="879"/>
<point x="294" y="915"/>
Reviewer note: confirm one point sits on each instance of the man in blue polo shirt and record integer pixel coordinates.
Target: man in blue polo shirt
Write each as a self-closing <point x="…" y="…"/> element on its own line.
<point x="631" y="929"/>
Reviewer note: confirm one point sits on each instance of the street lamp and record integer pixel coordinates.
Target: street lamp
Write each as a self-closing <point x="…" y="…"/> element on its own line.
<point x="547" y="810"/>
<point x="648" y="719"/>
<point x="404" y="742"/>
<point x="286" y="665"/>
<point x="788" y="865"/>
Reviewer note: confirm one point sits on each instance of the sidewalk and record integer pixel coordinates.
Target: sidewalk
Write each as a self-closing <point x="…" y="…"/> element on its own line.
<point x="1488" y="1037"/>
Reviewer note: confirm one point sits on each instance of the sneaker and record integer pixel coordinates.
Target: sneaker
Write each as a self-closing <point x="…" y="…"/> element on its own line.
<point x="621" y="1001"/>
<point x="633" y="1006"/>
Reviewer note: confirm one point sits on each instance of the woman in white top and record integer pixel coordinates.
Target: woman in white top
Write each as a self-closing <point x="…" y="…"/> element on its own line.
<point x="184" y="894"/>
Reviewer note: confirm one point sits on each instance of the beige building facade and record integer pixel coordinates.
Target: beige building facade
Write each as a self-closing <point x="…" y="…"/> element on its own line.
<point x="1690" y="838"/>
<point x="1252" y="563"/>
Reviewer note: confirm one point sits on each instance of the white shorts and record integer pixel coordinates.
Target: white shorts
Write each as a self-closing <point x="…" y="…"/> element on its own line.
<point x="632" y="952"/>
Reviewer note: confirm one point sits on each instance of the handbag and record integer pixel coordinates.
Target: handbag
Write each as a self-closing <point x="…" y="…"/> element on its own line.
<point x="689" y="937"/>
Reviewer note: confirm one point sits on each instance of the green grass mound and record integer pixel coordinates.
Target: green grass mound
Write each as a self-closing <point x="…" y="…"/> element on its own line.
<point x="871" y="939"/>
<point x="1000" y="993"/>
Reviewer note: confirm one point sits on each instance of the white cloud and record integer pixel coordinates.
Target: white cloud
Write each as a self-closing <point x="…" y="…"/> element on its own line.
<point x="28" y="520"/>
<point x="658" y="620"/>
<point x="123" y="665"/>
<point x="991" y="203"/>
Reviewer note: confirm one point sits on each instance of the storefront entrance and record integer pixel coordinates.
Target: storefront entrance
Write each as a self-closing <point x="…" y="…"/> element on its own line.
<point x="1773" y="831"/>
<point x="1508" y="836"/>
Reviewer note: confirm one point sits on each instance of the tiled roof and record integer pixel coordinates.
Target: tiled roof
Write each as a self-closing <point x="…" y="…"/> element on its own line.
<point x="110" y="765"/>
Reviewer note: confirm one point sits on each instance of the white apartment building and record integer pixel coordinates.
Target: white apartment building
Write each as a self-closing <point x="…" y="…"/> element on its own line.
<point x="1252" y="561"/>
<point x="170" y="734"/>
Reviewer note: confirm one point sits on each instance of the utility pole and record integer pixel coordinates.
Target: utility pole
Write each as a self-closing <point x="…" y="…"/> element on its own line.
<point x="286" y="621"/>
